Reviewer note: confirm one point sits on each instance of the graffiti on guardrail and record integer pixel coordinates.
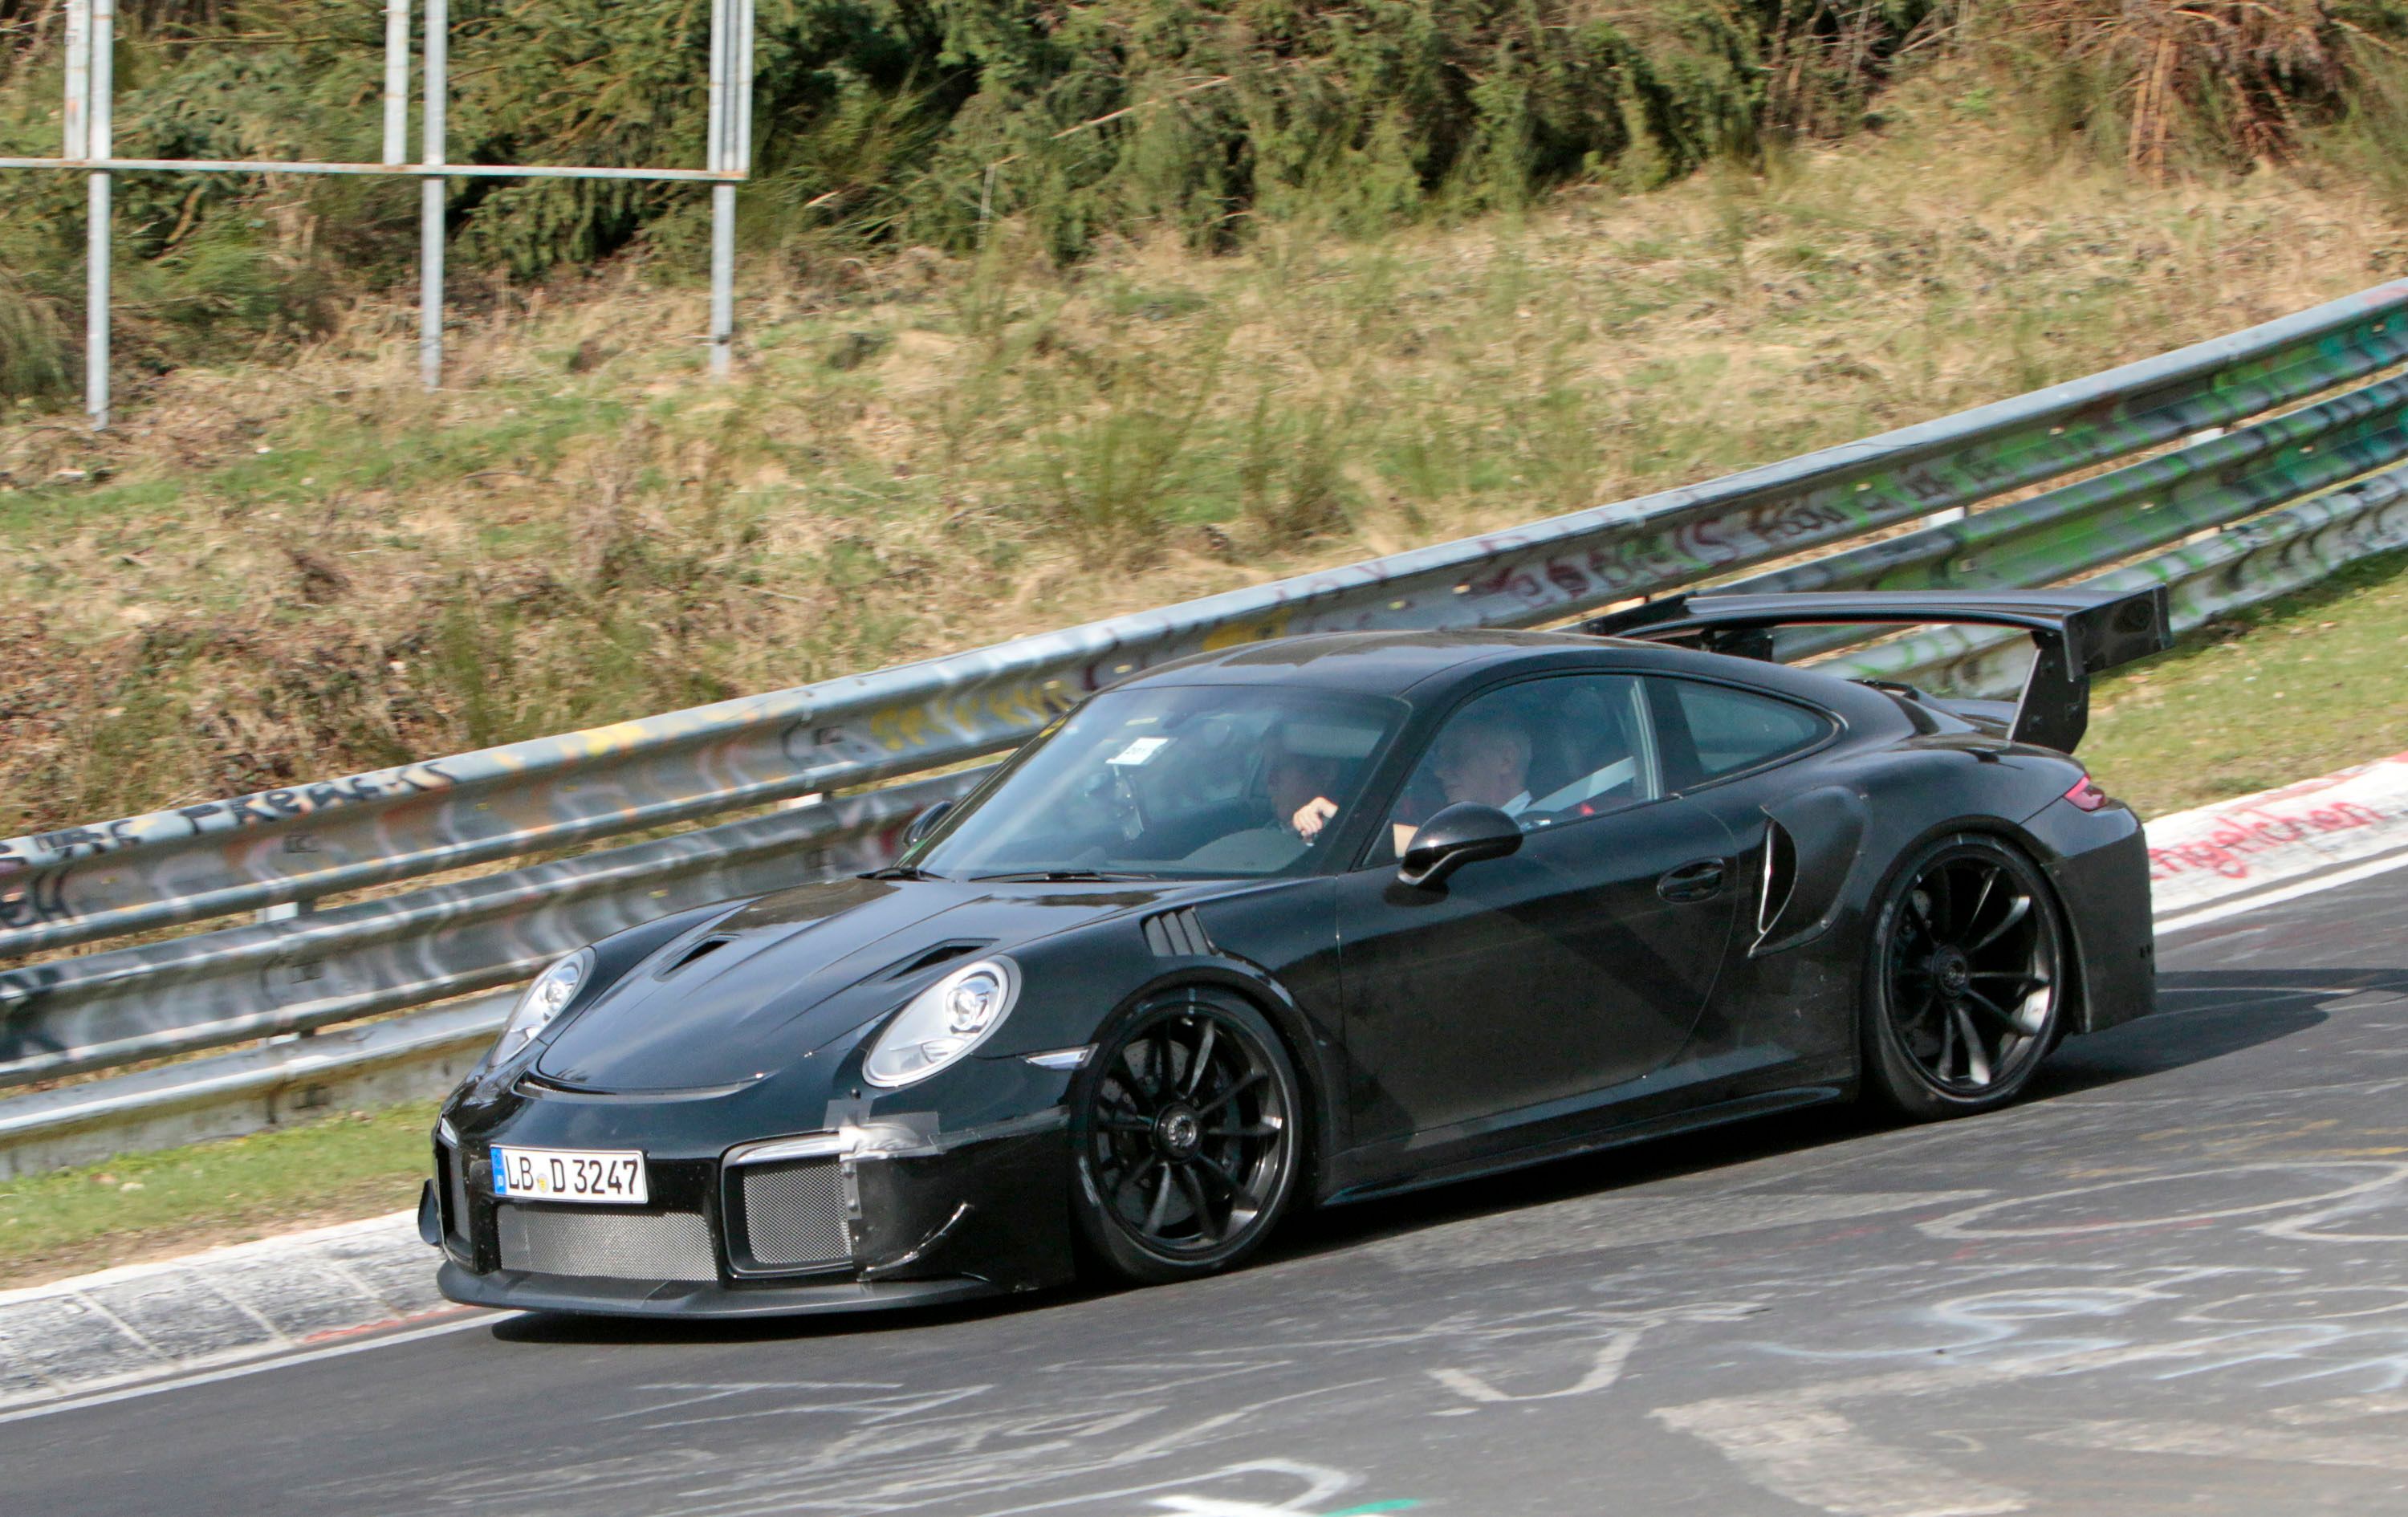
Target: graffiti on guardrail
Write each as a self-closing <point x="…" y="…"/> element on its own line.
<point x="81" y="885"/>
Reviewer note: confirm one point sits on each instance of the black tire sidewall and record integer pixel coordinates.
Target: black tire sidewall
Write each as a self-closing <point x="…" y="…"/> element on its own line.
<point x="1104" y="1241"/>
<point x="1891" y="1076"/>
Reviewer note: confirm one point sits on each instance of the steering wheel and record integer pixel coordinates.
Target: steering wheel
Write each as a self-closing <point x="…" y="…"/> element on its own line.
<point x="1112" y="791"/>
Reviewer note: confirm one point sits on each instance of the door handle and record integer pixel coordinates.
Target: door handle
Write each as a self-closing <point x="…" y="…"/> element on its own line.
<point x="1692" y="881"/>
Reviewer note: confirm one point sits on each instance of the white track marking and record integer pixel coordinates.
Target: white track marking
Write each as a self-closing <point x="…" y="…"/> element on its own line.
<point x="1960" y="1225"/>
<point x="2223" y="1441"/>
<point x="333" y="1351"/>
<point x="1816" y="1457"/>
<point x="1602" y="1372"/>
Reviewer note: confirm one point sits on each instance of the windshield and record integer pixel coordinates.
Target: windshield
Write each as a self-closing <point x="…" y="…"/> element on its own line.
<point x="1173" y="781"/>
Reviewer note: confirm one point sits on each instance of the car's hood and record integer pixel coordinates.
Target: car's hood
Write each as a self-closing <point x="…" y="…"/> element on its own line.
<point x="790" y="973"/>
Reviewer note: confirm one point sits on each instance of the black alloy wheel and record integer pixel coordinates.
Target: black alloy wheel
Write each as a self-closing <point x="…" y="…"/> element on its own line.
<point x="1188" y="1132"/>
<point x="1966" y="983"/>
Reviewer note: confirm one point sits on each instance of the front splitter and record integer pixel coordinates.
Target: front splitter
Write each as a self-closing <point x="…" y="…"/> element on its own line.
<point x="515" y="1290"/>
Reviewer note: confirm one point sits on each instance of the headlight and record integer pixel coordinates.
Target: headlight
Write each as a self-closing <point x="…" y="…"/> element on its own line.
<point x="943" y="1022"/>
<point x="541" y="1001"/>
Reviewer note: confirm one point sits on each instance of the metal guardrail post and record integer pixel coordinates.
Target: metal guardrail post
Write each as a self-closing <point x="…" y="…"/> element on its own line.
<point x="99" y="84"/>
<point x="430" y="194"/>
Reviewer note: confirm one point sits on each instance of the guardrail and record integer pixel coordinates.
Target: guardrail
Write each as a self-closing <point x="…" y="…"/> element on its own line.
<point x="81" y="885"/>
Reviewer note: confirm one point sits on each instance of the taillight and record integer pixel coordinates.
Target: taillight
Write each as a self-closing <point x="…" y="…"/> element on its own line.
<point x="2086" y="795"/>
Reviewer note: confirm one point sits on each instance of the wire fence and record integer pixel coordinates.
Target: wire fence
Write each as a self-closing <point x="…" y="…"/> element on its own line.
<point x="88" y="133"/>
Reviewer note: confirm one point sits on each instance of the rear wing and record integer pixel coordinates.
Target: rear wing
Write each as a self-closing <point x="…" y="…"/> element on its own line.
<point x="2076" y="633"/>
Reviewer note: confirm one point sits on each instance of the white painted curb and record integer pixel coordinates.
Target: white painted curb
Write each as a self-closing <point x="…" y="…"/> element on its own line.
<point x="142" y="1322"/>
<point x="2235" y="856"/>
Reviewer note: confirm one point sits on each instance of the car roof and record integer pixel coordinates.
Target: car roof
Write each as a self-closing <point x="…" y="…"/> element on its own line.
<point x="1374" y="663"/>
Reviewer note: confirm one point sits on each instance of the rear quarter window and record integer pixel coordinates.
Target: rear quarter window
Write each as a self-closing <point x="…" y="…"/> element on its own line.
<point x="1729" y="730"/>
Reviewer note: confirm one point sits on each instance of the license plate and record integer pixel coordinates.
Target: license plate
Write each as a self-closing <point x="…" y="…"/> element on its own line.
<point x="604" y="1175"/>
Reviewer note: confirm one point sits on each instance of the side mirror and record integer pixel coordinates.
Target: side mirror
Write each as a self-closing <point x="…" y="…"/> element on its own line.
<point x="1459" y="835"/>
<point x="925" y="822"/>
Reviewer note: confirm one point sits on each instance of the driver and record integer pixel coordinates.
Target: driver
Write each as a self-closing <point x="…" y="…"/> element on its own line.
<point x="1486" y="761"/>
<point x="1298" y="786"/>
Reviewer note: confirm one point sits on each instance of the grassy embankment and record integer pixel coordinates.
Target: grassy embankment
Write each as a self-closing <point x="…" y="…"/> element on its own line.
<point x="148" y="1206"/>
<point x="270" y="574"/>
<point x="908" y="452"/>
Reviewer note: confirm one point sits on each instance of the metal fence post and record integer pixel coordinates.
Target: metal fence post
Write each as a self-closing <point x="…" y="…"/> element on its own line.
<point x="98" y="130"/>
<point x="79" y="72"/>
<point x="397" y="81"/>
<point x="723" y="197"/>
<point x="430" y="204"/>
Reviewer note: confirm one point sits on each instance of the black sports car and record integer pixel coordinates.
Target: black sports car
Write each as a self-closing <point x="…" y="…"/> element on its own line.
<point x="1309" y="920"/>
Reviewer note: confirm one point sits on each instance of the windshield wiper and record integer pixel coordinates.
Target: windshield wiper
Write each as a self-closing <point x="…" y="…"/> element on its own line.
<point x="903" y="871"/>
<point x="1060" y="875"/>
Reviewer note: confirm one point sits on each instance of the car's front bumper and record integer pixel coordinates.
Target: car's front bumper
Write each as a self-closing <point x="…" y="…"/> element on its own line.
<point x="896" y="1217"/>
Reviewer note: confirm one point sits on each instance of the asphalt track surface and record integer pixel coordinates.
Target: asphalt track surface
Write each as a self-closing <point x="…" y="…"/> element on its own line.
<point x="2173" y="1280"/>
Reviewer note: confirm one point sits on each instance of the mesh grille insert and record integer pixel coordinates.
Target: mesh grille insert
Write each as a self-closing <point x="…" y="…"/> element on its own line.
<point x="795" y="1214"/>
<point x="672" y="1245"/>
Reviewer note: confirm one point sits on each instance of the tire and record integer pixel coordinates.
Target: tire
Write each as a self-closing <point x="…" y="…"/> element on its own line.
<point x="1189" y="1129"/>
<point x="1965" y="979"/>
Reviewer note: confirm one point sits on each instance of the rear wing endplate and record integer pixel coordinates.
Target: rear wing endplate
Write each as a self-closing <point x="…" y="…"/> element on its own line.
<point x="2076" y="633"/>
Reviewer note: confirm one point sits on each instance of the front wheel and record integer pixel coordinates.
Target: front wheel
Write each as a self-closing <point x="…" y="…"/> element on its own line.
<point x="1188" y="1129"/>
<point x="1964" y="990"/>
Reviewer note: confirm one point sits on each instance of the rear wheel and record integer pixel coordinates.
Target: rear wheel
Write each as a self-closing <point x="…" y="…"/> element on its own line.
<point x="1964" y="988"/>
<point x="1188" y="1130"/>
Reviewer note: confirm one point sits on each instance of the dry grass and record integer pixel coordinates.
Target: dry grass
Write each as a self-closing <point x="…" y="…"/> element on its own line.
<point x="301" y="570"/>
<point x="2229" y="79"/>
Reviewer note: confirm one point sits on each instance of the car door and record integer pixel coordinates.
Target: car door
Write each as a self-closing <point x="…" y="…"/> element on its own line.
<point x="1746" y="755"/>
<point x="1526" y="985"/>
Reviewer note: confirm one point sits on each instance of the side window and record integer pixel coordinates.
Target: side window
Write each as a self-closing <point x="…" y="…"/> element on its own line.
<point x="1714" y="730"/>
<point x="1545" y="751"/>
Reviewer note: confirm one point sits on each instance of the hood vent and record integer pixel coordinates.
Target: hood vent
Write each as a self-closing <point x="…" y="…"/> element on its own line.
<point x="702" y="949"/>
<point x="930" y="958"/>
<point x="1177" y="934"/>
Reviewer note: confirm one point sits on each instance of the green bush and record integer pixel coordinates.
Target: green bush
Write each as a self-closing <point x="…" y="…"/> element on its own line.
<point x="877" y="120"/>
<point x="930" y="121"/>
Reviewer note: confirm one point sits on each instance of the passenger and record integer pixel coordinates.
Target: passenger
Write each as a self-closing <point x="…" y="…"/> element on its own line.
<point x="1484" y="762"/>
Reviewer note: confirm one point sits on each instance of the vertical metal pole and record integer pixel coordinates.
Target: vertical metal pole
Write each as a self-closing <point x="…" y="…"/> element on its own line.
<point x="99" y="132"/>
<point x="397" y="81"/>
<point x="740" y="84"/>
<point x="79" y="79"/>
<point x="722" y="276"/>
<point x="723" y="197"/>
<point x="715" y="122"/>
<point x="430" y="206"/>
